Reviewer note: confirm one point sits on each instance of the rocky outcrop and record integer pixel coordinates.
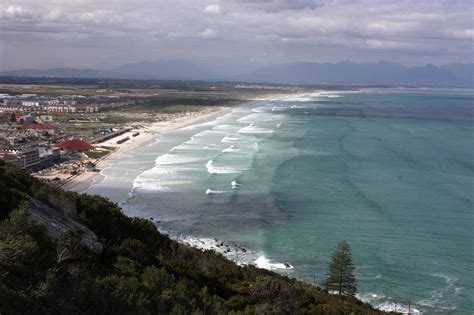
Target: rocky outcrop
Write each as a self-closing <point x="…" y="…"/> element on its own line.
<point x="57" y="223"/>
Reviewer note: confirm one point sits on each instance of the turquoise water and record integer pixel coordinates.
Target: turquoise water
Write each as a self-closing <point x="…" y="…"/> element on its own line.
<point x="389" y="170"/>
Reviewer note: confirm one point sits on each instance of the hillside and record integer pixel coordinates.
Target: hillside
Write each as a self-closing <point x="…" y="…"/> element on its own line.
<point x="88" y="257"/>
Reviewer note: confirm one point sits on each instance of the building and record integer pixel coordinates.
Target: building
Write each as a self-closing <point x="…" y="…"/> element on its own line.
<point x="13" y="103"/>
<point x="45" y="119"/>
<point x="27" y="95"/>
<point x="26" y="119"/>
<point x="54" y="102"/>
<point x="21" y="158"/>
<point x="49" y="153"/>
<point x="3" y="142"/>
<point x="30" y="103"/>
<point x="74" y="145"/>
<point x="91" y="109"/>
<point x="61" y="109"/>
<point x="5" y="117"/>
<point x="31" y="156"/>
<point x="68" y="102"/>
<point x="38" y="126"/>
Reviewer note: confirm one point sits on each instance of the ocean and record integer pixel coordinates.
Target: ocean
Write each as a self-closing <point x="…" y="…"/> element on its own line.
<point x="390" y="171"/>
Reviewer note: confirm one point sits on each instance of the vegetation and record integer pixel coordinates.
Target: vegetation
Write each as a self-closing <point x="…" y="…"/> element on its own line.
<point x="97" y="153"/>
<point x="340" y="277"/>
<point x="138" y="270"/>
<point x="138" y="88"/>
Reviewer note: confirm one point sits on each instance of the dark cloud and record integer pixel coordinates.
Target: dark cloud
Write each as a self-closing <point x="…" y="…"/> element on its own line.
<point x="101" y="33"/>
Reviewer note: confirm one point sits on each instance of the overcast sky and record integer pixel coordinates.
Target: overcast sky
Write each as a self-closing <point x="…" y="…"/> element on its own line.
<point x="104" y="34"/>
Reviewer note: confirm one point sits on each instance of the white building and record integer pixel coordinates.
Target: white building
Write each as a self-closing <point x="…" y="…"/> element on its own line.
<point x="45" y="119"/>
<point x="61" y="109"/>
<point x="30" y="103"/>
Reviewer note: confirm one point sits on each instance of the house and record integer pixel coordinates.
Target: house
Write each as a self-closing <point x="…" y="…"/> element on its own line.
<point x="26" y="119"/>
<point x="30" y="103"/>
<point x="45" y="119"/>
<point x="12" y="103"/>
<point x="74" y="145"/>
<point x="61" y="109"/>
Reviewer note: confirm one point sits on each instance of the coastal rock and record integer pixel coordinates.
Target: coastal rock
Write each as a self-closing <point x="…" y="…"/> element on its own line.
<point x="57" y="223"/>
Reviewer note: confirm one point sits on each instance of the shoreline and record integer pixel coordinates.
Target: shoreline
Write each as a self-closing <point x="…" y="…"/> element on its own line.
<point x="83" y="181"/>
<point x="232" y="251"/>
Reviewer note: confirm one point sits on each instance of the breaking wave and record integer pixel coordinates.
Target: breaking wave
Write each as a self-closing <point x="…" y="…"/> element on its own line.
<point x="254" y="130"/>
<point x="235" y="184"/>
<point x="213" y="169"/>
<point x="212" y="191"/>
<point x="170" y="159"/>
<point x="264" y="263"/>
<point x="230" y="149"/>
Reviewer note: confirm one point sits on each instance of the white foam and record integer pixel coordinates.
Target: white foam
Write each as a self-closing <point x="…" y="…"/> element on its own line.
<point x="235" y="184"/>
<point x="223" y="127"/>
<point x="145" y="186"/>
<point x="303" y="107"/>
<point x="297" y="99"/>
<point x="437" y="300"/>
<point x="255" y="130"/>
<point x="230" y="149"/>
<point x="213" y="169"/>
<point x="212" y="147"/>
<point x="256" y="118"/>
<point x="279" y="108"/>
<point x="207" y="134"/>
<point x="264" y="263"/>
<point x="170" y="159"/>
<point x="234" y="252"/>
<point x="159" y="179"/>
<point x="231" y="139"/>
<point x="308" y="97"/>
<point x="212" y="191"/>
<point x="383" y="303"/>
<point x="196" y="126"/>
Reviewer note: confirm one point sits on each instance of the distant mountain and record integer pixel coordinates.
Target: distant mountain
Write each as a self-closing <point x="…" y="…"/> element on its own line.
<point x="64" y="73"/>
<point x="168" y="69"/>
<point x="464" y="71"/>
<point x="342" y="73"/>
<point x="364" y="73"/>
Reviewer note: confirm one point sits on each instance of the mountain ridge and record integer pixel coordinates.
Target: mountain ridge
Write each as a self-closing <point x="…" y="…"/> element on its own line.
<point x="307" y="73"/>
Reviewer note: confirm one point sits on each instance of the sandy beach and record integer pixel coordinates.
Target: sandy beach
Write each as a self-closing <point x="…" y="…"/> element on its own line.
<point x="82" y="182"/>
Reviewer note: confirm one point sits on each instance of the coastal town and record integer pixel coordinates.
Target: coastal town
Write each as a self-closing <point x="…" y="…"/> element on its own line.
<point x="45" y="135"/>
<point x="66" y="139"/>
<point x="58" y="131"/>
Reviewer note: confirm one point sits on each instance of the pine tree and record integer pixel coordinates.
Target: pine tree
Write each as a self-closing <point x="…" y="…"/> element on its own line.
<point x="340" y="276"/>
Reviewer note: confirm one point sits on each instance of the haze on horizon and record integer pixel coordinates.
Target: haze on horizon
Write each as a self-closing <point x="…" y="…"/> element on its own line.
<point x="107" y="34"/>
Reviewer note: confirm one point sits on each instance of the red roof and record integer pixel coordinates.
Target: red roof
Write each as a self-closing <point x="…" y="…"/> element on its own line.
<point x="74" y="145"/>
<point x="38" y="126"/>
